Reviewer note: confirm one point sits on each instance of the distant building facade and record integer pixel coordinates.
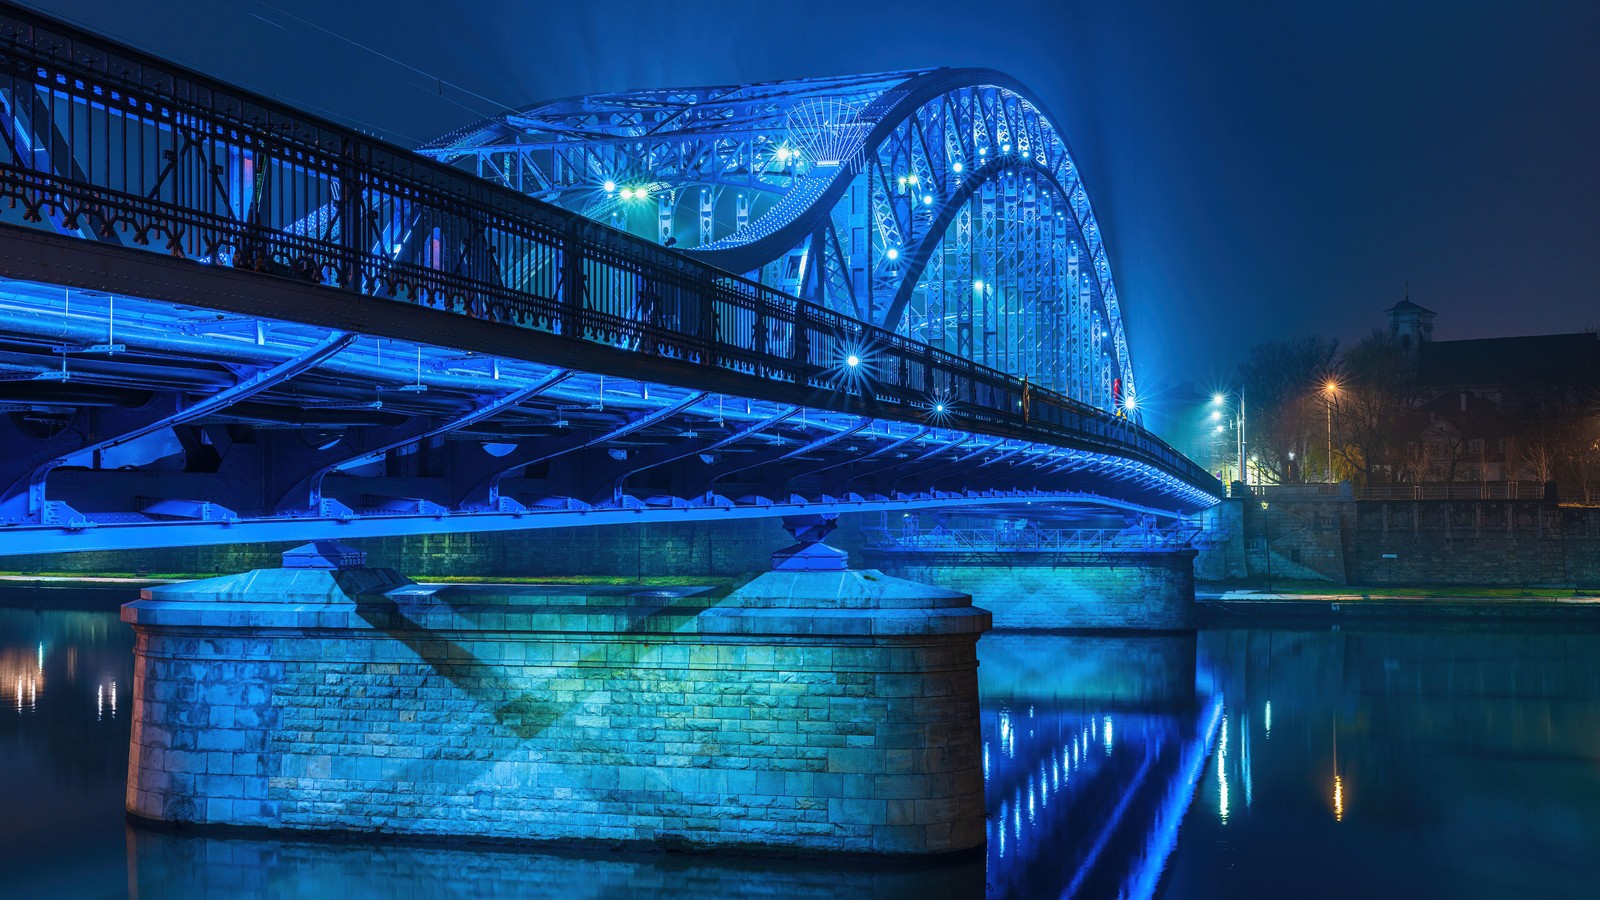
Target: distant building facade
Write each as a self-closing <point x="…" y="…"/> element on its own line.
<point x="1505" y="409"/>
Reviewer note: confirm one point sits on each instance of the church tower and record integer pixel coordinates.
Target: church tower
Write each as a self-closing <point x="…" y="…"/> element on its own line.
<point x="1410" y="325"/>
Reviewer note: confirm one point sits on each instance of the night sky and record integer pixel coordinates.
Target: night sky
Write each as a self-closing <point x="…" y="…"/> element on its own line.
<point x="1261" y="169"/>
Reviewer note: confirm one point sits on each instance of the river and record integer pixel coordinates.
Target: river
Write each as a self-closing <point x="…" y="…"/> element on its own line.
<point x="1410" y="762"/>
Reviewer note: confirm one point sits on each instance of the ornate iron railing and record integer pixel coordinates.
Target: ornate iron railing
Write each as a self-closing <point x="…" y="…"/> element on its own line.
<point x="109" y="144"/>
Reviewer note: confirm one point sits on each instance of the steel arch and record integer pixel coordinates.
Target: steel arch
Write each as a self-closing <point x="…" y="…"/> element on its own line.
<point x="819" y="171"/>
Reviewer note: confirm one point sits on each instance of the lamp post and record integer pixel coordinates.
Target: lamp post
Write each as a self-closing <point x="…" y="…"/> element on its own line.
<point x="1330" y="393"/>
<point x="1266" y="527"/>
<point x="1218" y="400"/>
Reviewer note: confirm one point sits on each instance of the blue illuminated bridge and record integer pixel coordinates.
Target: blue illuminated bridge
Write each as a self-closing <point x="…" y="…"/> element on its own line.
<point x="223" y="320"/>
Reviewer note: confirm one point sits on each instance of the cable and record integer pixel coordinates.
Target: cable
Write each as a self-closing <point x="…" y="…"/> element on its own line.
<point x="442" y="83"/>
<point x="352" y="121"/>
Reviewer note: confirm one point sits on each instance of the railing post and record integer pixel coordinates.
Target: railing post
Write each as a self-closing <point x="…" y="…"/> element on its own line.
<point x="352" y="213"/>
<point x="574" y="280"/>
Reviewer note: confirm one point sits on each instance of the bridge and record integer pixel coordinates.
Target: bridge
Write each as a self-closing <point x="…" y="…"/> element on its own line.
<point x="224" y="321"/>
<point x="228" y="321"/>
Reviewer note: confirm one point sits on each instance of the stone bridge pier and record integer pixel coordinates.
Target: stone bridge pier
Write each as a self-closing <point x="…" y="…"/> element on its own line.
<point x="817" y="708"/>
<point x="1116" y="590"/>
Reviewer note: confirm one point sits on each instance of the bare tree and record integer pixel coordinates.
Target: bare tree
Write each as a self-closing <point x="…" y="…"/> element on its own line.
<point x="1375" y="413"/>
<point x="1280" y="380"/>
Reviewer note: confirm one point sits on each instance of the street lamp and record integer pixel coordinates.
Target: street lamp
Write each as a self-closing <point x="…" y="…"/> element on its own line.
<point x="1330" y="392"/>
<point x="1219" y="399"/>
<point x="1266" y="527"/>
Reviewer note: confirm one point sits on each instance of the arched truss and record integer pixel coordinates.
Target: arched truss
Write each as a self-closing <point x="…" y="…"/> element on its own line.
<point x="941" y="203"/>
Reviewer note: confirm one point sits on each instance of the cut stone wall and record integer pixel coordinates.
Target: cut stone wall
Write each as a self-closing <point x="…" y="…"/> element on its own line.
<point x="808" y="711"/>
<point x="1130" y="590"/>
<point x="1512" y="543"/>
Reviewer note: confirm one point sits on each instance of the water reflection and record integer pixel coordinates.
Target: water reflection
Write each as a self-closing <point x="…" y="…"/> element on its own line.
<point x="199" y="867"/>
<point x="1093" y="746"/>
<point x="63" y="752"/>
<point x="1402" y="762"/>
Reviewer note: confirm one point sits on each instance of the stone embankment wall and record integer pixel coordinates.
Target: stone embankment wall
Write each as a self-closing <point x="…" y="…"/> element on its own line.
<point x="1514" y="543"/>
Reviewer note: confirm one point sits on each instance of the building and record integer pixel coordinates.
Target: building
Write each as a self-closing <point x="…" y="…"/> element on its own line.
<point x="1505" y="409"/>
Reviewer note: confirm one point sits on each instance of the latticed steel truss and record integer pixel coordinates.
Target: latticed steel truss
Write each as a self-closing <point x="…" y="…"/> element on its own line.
<point x="942" y="204"/>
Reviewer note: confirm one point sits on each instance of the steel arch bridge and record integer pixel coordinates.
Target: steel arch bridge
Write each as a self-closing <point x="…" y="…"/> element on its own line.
<point x="940" y="204"/>
<point x="224" y="320"/>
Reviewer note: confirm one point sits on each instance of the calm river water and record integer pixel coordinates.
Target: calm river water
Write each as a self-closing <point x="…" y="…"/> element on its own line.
<point x="1406" y="762"/>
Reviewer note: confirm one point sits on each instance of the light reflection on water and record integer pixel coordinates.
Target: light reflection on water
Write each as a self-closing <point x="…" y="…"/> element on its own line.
<point x="1298" y="763"/>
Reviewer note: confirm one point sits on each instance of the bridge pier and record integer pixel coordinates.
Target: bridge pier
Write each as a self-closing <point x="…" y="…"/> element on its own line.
<point x="1133" y="590"/>
<point x="815" y="709"/>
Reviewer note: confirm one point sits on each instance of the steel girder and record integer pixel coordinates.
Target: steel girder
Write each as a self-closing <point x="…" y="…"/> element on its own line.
<point x="942" y="204"/>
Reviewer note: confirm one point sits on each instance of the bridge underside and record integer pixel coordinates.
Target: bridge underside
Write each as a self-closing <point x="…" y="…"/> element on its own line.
<point x="143" y="422"/>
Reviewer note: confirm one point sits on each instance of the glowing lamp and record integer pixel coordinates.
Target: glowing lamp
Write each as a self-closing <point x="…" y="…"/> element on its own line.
<point x="1216" y="398"/>
<point x="852" y="360"/>
<point x="938" y="407"/>
<point x="927" y="199"/>
<point x="610" y="186"/>
<point x="911" y="180"/>
<point x="627" y="193"/>
<point x="641" y="193"/>
<point x="956" y="167"/>
<point x="892" y="253"/>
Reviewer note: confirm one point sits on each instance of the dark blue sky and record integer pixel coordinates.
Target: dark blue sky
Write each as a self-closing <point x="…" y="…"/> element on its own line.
<point x="1261" y="169"/>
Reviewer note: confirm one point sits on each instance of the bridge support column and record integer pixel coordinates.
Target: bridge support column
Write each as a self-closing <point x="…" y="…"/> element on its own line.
<point x="814" y="709"/>
<point x="1126" y="590"/>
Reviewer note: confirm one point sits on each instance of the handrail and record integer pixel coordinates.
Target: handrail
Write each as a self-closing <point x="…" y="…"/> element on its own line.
<point x="114" y="145"/>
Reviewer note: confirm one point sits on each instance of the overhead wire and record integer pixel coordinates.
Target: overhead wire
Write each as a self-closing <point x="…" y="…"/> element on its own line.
<point x="440" y="82"/>
<point x="275" y="94"/>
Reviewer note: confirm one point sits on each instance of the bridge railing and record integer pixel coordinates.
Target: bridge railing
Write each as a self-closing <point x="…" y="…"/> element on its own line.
<point x="103" y="142"/>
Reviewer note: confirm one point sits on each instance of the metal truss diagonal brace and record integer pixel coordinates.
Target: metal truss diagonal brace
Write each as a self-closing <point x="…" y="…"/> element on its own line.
<point x="254" y="384"/>
<point x="493" y="482"/>
<point x="310" y="490"/>
<point x="713" y="447"/>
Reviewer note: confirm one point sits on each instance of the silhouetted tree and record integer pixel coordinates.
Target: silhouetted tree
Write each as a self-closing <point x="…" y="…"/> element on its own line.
<point x="1284" y="411"/>
<point x="1375" y="416"/>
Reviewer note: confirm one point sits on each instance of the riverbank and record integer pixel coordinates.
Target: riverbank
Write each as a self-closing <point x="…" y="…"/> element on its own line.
<point x="1258" y="605"/>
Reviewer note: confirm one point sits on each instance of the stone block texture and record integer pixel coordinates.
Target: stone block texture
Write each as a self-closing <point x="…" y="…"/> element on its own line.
<point x="808" y="711"/>
<point x="1118" y="591"/>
